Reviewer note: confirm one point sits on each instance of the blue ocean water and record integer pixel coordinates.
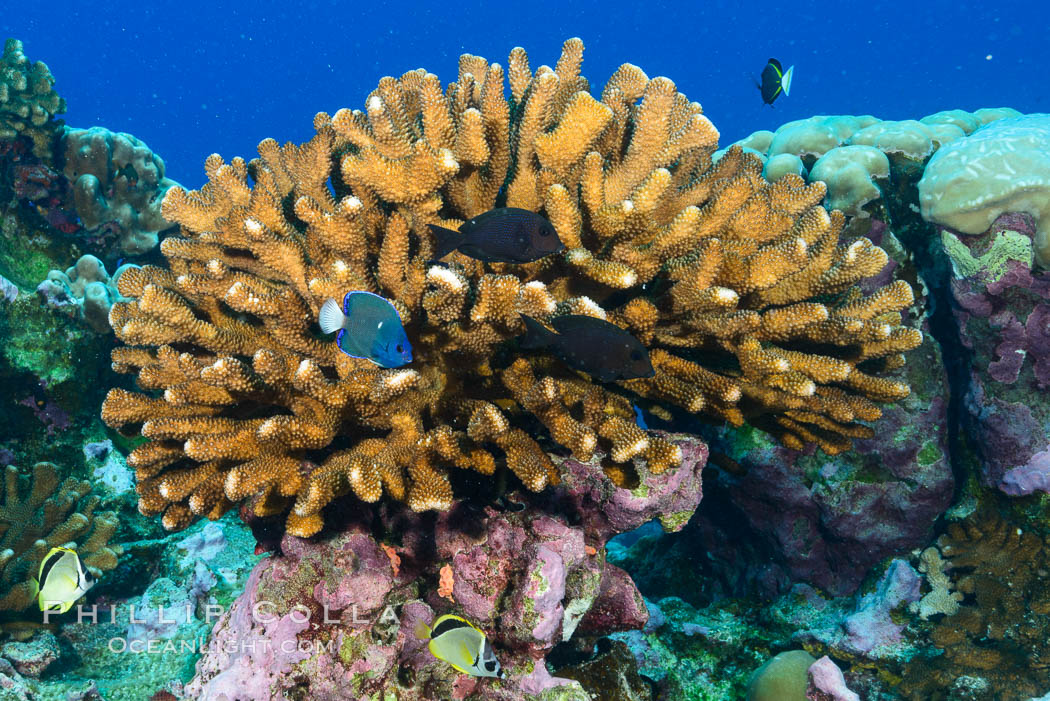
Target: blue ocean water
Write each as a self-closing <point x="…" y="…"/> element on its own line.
<point x="192" y="78"/>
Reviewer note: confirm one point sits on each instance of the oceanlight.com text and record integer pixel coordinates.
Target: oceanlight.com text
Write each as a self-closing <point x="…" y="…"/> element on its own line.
<point x="200" y="645"/>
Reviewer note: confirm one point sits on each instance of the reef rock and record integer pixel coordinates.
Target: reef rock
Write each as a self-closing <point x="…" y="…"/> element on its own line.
<point x="1002" y="310"/>
<point x="334" y="617"/>
<point x="774" y="516"/>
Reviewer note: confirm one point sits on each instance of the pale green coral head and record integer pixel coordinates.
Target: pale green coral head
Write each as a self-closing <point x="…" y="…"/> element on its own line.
<point x="759" y="140"/>
<point x="851" y="174"/>
<point x="909" y="138"/>
<point x="812" y="138"/>
<point x="782" y="164"/>
<point x="966" y="121"/>
<point x="1002" y="167"/>
<point x="990" y="114"/>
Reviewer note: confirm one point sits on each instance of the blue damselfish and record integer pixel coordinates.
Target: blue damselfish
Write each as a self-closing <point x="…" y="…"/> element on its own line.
<point x="368" y="327"/>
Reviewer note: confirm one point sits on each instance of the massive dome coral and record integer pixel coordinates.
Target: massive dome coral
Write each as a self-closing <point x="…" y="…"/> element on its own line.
<point x="742" y="291"/>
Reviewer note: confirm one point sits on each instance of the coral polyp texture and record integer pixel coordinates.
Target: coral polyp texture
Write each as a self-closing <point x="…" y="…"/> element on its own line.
<point x="28" y="101"/>
<point x="118" y="187"/>
<point x="39" y="512"/>
<point x="1002" y="167"/>
<point x="742" y="291"/>
<point x="84" y="291"/>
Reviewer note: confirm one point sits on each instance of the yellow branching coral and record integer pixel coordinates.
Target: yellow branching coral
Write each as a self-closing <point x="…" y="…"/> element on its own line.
<point x="743" y="291"/>
<point x="38" y="513"/>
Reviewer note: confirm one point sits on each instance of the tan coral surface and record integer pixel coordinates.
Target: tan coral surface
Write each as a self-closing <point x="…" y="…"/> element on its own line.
<point x="742" y="290"/>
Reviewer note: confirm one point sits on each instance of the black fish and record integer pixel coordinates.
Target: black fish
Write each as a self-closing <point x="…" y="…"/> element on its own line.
<point x="774" y="81"/>
<point x="504" y="235"/>
<point x="267" y="532"/>
<point x="129" y="172"/>
<point x="598" y="348"/>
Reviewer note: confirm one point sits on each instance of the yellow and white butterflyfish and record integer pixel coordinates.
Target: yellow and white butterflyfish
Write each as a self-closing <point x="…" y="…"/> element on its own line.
<point x="62" y="580"/>
<point x="462" y="644"/>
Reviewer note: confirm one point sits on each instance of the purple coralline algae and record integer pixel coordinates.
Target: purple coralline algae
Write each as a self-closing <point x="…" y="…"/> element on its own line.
<point x="618" y="607"/>
<point x="335" y="617"/>
<point x="31" y="658"/>
<point x="1002" y="309"/>
<point x="246" y="650"/>
<point x="54" y="417"/>
<point x="33" y="180"/>
<point x="869" y="629"/>
<point x="203" y="545"/>
<point x="826" y="682"/>
<point x="13" y="684"/>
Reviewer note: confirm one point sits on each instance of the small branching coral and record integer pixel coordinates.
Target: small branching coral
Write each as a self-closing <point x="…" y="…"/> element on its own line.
<point x="39" y="513"/>
<point x="999" y="634"/>
<point x="742" y="291"/>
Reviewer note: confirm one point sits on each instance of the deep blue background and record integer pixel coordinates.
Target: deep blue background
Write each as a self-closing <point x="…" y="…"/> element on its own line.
<point x="191" y="80"/>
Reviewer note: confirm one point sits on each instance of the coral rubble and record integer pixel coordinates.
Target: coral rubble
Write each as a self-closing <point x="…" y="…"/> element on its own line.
<point x="338" y="612"/>
<point x="742" y="291"/>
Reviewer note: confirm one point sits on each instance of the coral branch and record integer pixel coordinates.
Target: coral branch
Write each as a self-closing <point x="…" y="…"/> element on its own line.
<point x="743" y="291"/>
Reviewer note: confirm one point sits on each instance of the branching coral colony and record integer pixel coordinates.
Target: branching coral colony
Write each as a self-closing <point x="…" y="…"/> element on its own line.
<point x="741" y="290"/>
<point x="40" y="512"/>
